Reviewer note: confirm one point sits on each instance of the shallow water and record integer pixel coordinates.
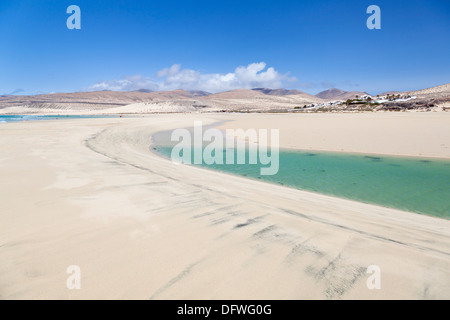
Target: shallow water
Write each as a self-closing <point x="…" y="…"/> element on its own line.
<point x="411" y="184"/>
<point x="17" y="118"/>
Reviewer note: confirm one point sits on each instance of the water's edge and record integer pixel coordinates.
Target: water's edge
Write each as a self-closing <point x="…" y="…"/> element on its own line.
<point x="415" y="184"/>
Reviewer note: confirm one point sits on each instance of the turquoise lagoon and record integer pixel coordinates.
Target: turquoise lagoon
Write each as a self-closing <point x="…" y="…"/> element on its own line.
<point x="17" y="118"/>
<point x="411" y="184"/>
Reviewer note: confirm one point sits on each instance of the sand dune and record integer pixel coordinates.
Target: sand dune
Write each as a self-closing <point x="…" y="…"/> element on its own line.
<point x="434" y="92"/>
<point x="235" y="94"/>
<point x="257" y="100"/>
<point x="178" y="106"/>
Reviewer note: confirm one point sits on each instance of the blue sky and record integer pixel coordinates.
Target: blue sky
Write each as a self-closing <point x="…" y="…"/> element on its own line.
<point x="308" y="45"/>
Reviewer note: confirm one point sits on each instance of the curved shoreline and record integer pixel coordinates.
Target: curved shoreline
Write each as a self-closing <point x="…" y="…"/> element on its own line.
<point x="163" y="140"/>
<point x="406" y="220"/>
<point x="141" y="227"/>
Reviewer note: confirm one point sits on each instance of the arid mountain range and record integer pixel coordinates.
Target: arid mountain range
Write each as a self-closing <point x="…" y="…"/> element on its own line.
<point x="144" y="101"/>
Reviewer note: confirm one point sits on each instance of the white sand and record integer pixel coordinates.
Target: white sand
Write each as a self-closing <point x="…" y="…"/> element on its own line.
<point x="90" y="193"/>
<point x="418" y="134"/>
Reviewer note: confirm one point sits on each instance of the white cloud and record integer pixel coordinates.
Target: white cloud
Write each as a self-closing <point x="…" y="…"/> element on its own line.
<point x="128" y="83"/>
<point x="252" y="76"/>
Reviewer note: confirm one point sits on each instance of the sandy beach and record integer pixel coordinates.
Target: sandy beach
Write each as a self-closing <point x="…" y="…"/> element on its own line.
<point x="416" y="134"/>
<point x="89" y="192"/>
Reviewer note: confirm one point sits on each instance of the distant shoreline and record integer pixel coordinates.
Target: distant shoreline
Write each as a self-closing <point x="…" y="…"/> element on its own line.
<point x="239" y="100"/>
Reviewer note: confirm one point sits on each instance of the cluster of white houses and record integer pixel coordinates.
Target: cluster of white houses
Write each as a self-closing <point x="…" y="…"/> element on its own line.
<point x="364" y="99"/>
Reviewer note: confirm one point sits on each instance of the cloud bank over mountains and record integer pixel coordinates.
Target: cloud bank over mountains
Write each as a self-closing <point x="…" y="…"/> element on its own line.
<point x="254" y="75"/>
